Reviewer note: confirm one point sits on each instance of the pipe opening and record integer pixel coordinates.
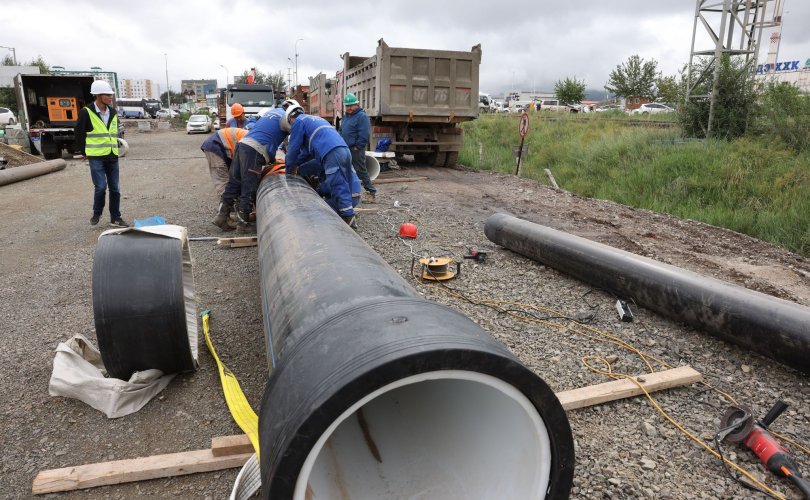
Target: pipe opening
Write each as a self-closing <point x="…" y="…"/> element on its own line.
<point x="448" y="434"/>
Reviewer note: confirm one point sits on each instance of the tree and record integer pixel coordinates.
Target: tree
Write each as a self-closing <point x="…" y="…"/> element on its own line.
<point x="736" y="100"/>
<point x="668" y="89"/>
<point x="275" y="79"/>
<point x="43" y="66"/>
<point x="634" y="78"/>
<point x="569" y="91"/>
<point x="176" y="98"/>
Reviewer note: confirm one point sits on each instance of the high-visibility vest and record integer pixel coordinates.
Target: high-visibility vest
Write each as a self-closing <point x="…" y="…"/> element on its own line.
<point x="229" y="137"/>
<point x="101" y="141"/>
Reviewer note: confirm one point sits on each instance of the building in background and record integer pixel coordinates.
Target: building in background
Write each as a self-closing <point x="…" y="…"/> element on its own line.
<point x="796" y="72"/>
<point x="196" y="90"/>
<point x="139" y="89"/>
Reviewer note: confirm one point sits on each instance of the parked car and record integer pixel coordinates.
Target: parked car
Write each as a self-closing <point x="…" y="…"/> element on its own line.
<point x="553" y="105"/>
<point x="167" y="113"/>
<point x="652" y="108"/>
<point x="199" y="123"/>
<point x="609" y="107"/>
<point x="7" y="117"/>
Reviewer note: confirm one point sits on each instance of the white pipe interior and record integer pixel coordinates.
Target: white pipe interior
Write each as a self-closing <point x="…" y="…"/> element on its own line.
<point x="446" y="434"/>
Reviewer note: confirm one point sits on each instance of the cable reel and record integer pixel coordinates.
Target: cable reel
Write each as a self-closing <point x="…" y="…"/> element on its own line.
<point x="437" y="268"/>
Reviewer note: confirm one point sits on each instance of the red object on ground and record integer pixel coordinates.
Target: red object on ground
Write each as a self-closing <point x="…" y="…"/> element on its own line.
<point x="407" y="230"/>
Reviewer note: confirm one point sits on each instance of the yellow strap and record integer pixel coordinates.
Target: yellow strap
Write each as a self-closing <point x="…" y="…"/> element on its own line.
<point x="241" y="411"/>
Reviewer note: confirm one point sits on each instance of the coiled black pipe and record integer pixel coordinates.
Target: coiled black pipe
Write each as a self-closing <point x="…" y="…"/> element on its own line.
<point x="143" y="302"/>
<point x="764" y="324"/>
<point x="16" y="174"/>
<point x="378" y="393"/>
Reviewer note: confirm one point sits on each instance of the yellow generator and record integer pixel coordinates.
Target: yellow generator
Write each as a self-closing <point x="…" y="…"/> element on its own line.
<point x="62" y="110"/>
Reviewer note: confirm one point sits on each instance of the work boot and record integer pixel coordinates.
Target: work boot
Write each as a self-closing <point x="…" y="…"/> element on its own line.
<point x="221" y="220"/>
<point x="243" y="223"/>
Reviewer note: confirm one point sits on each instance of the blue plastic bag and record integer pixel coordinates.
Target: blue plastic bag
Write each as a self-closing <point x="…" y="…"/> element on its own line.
<point x="154" y="220"/>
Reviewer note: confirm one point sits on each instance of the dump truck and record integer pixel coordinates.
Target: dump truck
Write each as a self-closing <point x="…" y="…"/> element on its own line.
<point x="49" y="107"/>
<point x="416" y="98"/>
<point x="321" y="97"/>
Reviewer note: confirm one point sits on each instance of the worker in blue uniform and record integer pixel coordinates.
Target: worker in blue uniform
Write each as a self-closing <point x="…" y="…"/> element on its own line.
<point x="312" y="137"/>
<point x="356" y="130"/>
<point x="315" y="176"/>
<point x="256" y="149"/>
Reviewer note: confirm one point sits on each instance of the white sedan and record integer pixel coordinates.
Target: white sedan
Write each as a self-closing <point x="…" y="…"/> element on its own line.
<point x="167" y="113"/>
<point x="652" y="108"/>
<point x="199" y="123"/>
<point x="7" y="117"/>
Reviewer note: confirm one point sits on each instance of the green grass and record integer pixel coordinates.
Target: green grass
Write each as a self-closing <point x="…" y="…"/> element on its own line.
<point x="751" y="185"/>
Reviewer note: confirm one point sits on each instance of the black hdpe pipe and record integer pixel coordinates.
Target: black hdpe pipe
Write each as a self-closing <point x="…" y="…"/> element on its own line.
<point x="773" y="327"/>
<point x="10" y="175"/>
<point x="143" y="302"/>
<point x="375" y="392"/>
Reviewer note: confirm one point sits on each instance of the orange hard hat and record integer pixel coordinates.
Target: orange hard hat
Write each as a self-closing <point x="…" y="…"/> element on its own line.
<point x="407" y="230"/>
<point x="237" y="109"/>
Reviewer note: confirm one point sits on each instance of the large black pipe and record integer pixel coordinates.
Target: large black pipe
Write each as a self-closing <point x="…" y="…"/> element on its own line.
<point x="16" y="174"/>
<point x="770" y="326"/>
<point x="377" y="393"/>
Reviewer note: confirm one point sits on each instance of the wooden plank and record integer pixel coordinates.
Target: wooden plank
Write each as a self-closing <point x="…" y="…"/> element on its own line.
<point x="231" y="445"/>
<point x="391" y="180"/>
<point x="587" y="396"/>
<point x="233" y="451"/>
<point x="620" y="389"/>
<point x="242" y="241"/>
<point x="137" y="469"/>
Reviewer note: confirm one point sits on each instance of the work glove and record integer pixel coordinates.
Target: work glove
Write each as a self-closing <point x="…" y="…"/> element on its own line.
<point x="351" y="220"/>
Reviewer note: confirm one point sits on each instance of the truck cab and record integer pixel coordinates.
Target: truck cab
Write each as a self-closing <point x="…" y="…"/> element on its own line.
<point x="253" y="97"/>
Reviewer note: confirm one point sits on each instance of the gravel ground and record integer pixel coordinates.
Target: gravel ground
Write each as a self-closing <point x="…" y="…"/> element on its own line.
<point x="624" y="449"/>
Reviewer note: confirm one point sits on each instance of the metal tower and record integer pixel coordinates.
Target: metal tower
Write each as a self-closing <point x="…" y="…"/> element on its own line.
<point x="738" y="35"/>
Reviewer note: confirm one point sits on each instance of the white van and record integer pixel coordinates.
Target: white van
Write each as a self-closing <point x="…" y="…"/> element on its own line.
<point x="553" y="105"/>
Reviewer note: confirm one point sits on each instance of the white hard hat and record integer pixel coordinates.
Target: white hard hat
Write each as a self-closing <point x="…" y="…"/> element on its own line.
<point x="101" y="87"/>
<point x="289" y="102"/>
<point x="291" y="113"/>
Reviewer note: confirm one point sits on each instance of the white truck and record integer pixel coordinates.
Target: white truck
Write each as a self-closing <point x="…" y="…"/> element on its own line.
<point x="415" y="98"/>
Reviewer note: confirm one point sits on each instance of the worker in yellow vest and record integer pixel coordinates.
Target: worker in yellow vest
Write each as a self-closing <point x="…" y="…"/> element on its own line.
<point x="97" y="138"/>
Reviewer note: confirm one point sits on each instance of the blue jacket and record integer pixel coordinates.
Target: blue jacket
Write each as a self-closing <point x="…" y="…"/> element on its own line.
<point x="214" y="144"/>
<point x="355" y="129"/>
<point x="267" y="131"/>
<point x="311" y="136"/>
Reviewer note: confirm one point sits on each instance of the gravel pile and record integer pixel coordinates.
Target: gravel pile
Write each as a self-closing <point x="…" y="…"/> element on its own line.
<point x="624" y="449"/>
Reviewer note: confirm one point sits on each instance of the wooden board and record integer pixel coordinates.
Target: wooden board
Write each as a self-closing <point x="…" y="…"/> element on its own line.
<point x="620" y="389"/>
<point x="233" y="451"/>
<point x="244" y="241"/>
<point x="578" y="398"/>
<point x="231" y="445"/>
<point x="136" y="469"/>
<point x="391" y="180"/>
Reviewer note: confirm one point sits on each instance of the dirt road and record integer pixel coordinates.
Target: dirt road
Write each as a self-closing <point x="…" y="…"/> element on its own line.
<point x="624" y="449"/>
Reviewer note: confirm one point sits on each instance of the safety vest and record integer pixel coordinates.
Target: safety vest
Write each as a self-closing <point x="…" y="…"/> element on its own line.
<point x="229" y="137"/>
<point x="101" y="141"/>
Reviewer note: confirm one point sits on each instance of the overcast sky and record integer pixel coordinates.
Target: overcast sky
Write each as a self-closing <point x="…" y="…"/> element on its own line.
<point x="526" y="44"/>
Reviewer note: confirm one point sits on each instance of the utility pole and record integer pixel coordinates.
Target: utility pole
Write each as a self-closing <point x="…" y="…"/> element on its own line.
<point x="227" y="78"/>
<point x="13" y="53"/>
<point x="168" y="94"/>
<point x="296" y="60"/>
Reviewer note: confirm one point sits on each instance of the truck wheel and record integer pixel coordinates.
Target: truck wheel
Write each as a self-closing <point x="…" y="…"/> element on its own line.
<point x="452" y="159"/>
<point x="440" y="159"/>
<point x="52" y="155"/>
